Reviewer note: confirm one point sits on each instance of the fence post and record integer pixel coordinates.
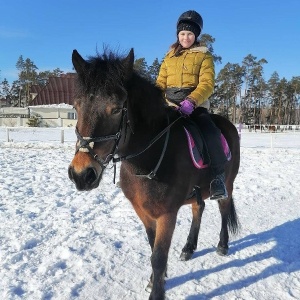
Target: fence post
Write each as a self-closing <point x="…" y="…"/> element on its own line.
<point x="240" y="131"/>
<point x="7" y="134"/>
<point x="62" y="136"/>
<point x="271" y="134"/>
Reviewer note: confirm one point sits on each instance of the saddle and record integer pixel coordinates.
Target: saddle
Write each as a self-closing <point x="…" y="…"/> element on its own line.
<point x="197" y="146"/>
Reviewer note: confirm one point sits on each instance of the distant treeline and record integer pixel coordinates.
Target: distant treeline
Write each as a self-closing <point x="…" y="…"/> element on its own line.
<point x="242" y="94"/>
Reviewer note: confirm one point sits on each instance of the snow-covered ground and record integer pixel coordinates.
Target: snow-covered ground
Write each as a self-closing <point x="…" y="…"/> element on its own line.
<point x="57" y="243"/>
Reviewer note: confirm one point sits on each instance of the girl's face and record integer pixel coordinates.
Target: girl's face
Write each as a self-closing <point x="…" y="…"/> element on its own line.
<point x="186" y="38"/>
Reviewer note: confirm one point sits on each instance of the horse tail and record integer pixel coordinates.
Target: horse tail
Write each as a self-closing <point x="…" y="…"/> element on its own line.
<point x="233" y="221"/>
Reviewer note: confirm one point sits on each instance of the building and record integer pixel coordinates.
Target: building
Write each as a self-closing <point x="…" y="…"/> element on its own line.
<point x="58" y="90"/>
<point x="52" y="104"/>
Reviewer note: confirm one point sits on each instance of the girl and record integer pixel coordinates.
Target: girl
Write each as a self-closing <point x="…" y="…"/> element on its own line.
<point x="187" y="78"/>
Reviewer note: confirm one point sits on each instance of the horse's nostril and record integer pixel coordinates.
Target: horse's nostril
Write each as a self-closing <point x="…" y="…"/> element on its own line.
<point x="87" y="179"/>
<point x="70" y="173"/>
<point x="90" y="175"/>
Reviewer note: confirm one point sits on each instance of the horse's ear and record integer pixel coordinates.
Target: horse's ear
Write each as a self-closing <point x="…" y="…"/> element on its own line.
<point x="128" y="63"/>
<point x="78" y="62"/>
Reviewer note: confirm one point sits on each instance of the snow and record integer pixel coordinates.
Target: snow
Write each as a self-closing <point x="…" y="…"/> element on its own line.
<point x="58" y="243"/>
<point x="60" y="105"/>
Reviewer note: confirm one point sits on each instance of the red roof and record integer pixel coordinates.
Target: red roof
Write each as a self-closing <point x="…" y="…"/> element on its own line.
<point x="58" y="90"/>
<point x="35" y="89"/>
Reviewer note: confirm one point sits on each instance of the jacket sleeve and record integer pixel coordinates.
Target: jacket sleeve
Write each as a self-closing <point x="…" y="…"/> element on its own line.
<point x="161" y="80"/>
<point x="206" y="83"/>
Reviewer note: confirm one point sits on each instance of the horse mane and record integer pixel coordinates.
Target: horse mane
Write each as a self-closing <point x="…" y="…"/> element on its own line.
<point x="103" y="72"/>
<point x="107" y="73"/>
<point x="146" y="101"/>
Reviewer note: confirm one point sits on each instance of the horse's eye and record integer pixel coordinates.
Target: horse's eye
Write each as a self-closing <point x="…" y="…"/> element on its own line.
<point x="91" y="97"/>
<point x="116" y="111"/>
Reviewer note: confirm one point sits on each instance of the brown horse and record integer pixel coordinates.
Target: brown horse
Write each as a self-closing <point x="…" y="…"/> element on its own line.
<point x="122" y="117"/>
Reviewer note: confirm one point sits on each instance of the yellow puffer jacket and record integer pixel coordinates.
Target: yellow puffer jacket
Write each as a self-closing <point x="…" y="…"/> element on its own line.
<point x="194" y="67"/>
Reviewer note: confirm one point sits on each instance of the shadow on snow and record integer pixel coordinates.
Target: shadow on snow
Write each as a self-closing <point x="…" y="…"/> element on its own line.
<point x="285" y="251"/>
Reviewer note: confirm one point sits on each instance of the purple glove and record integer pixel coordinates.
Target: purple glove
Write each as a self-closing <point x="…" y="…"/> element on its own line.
<point x="186" y="107"/>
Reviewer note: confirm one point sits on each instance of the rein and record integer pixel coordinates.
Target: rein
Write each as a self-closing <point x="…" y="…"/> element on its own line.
<point x="152" y="174"/>
<point x="86" y="144"/>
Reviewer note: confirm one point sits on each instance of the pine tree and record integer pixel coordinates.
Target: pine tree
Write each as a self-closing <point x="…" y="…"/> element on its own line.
<point x="207" y="40"/>
<point x="228" y="88"/>
<point x="295" y="85"/>
<point x="5" y="91"/>
<point x="43" y="77"/>
<point x="154" y="70"/>
<point x="140" y="65"/>
<point x="27" y="76"/>
<point x="253" y="79"/>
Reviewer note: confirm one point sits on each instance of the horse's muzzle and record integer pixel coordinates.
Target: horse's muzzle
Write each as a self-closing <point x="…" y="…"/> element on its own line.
<point x="86" y="180"/>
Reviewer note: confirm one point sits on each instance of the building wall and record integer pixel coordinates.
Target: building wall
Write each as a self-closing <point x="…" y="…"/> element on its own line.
<point x="51" y="116"/>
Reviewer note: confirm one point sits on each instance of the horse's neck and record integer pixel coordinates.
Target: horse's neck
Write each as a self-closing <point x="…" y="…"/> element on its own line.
<point x="141" y="138"/>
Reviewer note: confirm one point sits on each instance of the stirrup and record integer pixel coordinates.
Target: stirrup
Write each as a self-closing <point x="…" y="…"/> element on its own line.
<point x="218" y="189"/>
<point x="219" y="197"/>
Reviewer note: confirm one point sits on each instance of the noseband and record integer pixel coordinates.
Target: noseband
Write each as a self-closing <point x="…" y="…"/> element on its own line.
<point x="86" y="144"/>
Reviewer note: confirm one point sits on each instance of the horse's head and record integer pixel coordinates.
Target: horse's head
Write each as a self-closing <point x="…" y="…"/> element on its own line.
<point x="101" y="109"/>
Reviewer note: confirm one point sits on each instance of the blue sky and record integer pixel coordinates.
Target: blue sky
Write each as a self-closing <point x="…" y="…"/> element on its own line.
<point x="48" y="31"/>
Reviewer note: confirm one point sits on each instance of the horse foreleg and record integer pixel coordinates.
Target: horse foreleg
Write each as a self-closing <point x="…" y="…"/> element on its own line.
<point x="151" y="232"/>
<point x="150" y="227"/>
<point x="192" y="240"/>
<point x="165" y="225"/>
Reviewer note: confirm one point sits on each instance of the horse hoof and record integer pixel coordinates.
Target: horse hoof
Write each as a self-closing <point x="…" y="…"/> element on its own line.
<point x="149" y="287"/>
<point x="184" y="256"/>
<point x="222" y="251"/>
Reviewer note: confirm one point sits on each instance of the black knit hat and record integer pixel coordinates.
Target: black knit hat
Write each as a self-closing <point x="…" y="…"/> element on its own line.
<point x="190" y="21"/>
<point x="188" y="26"/>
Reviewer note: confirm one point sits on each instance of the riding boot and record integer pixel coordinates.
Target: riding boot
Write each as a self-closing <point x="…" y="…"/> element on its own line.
<point x="212" y="138"/>
<point x="218" y="189"/>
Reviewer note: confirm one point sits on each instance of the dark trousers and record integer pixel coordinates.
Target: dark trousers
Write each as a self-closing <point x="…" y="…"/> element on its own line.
<point x="212" y="137"/>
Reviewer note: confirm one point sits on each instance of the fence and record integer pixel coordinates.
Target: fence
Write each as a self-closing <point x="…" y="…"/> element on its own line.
<point x="37" y="134"/>
<point x="271" y="128"/>
<point x="286" y="139"/>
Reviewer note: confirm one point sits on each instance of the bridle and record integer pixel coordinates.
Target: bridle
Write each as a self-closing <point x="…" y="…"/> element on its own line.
<point x="86" y="144"/>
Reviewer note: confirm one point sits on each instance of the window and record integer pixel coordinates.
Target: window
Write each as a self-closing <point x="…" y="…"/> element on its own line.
<point x="72" y="115"/>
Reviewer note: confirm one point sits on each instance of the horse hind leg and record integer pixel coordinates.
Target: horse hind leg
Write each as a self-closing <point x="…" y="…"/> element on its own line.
<point x="229" y="221"/>
<point x="192" y="240"/>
